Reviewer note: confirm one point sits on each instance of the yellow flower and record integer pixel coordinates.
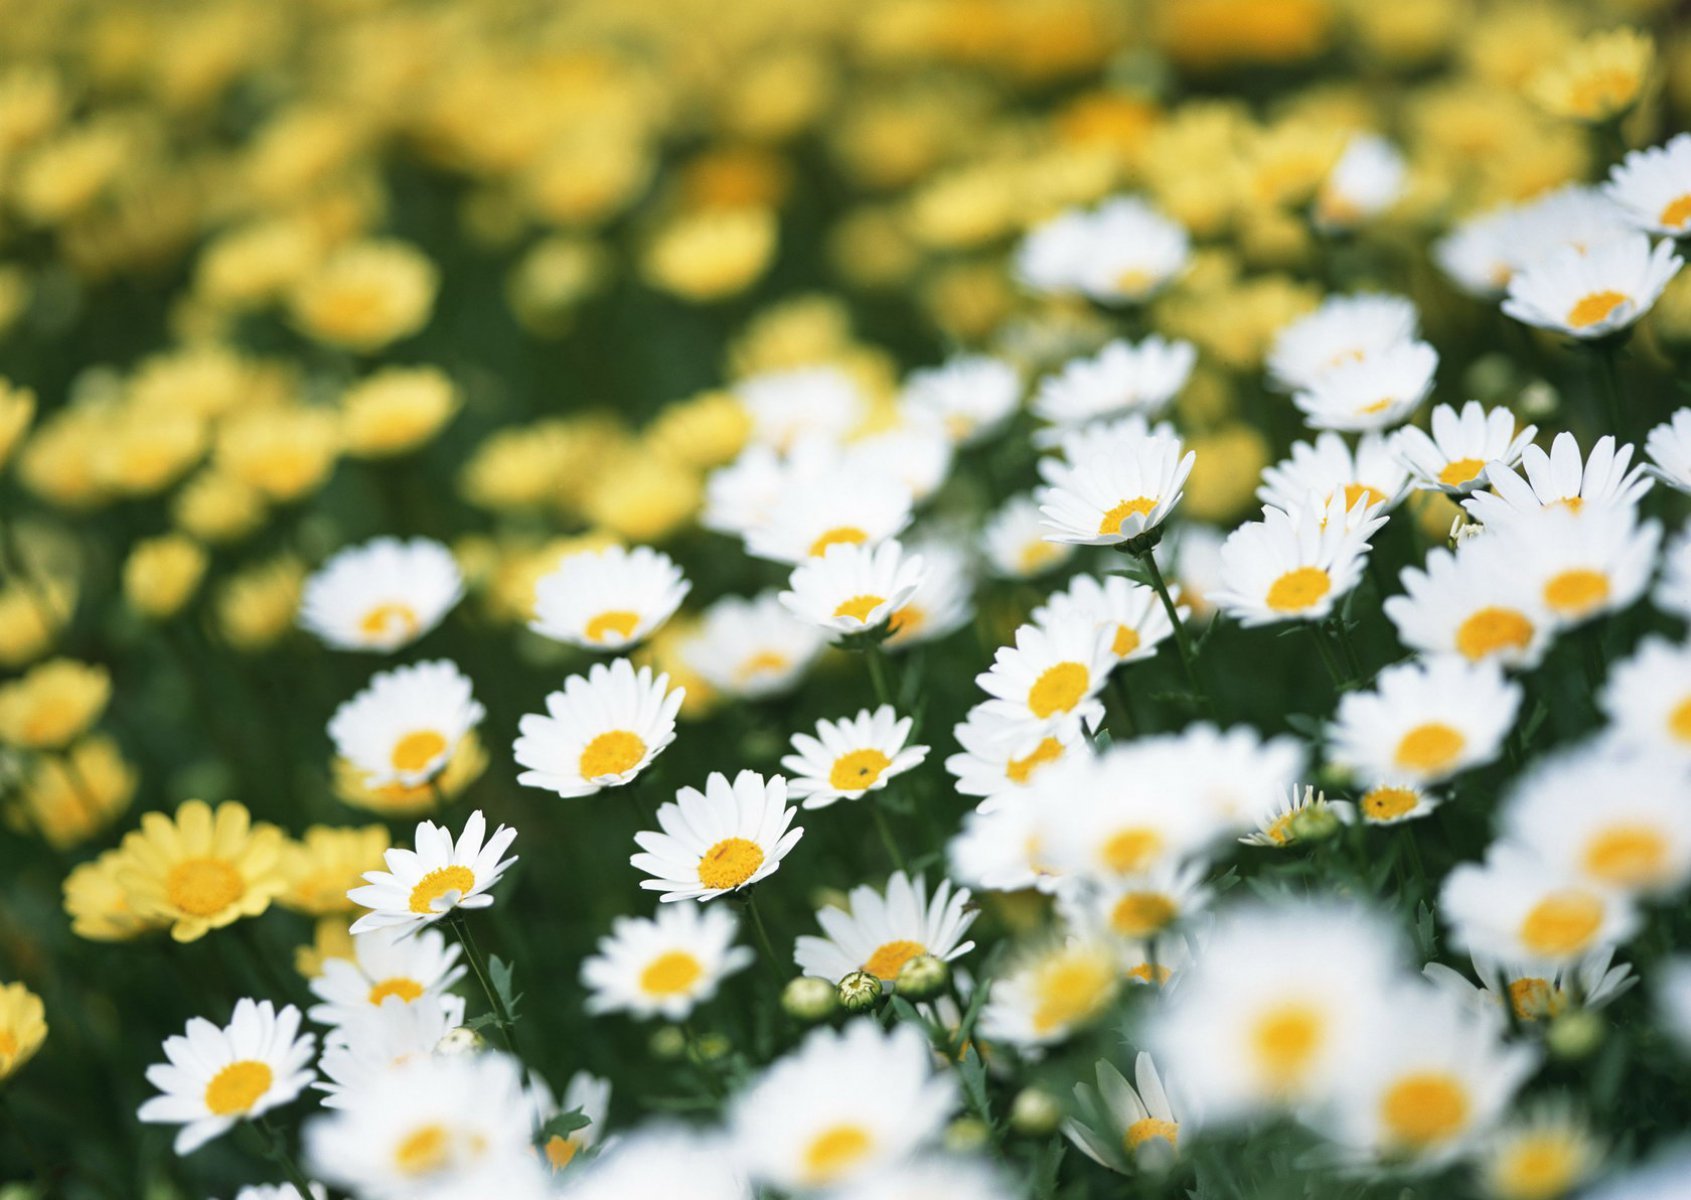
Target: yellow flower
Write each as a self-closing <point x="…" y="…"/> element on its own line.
<point x="366" y="295"/>
<point x="205" y="381"/>
<point x="216" y="507"/>
<point x="203" y="870"/>
<point x="704" y="431"/>
<point x="142" y="452"/>
<point x="257" y="264"/>
<point x="31" y="615"/>
<point x="396" y="410"/>
<point x="98" y="905"/>
<point x="466" y="765"/>
<point x="552" y="279"/>
<point x="643" y="497"/>
<point x="68" y="798"/>
<point x="23" y="1027"/>
<point x="1224" y="477"/>
<point x="548" y="463"/>
<point x="257" y="606"/>
<point x="67" y="175"/>
<point x="803" y="331"/>
<point x="17" y="410"/>
<point x="52" y="704"/>
<point x="57" y="463"/>
<point x="330" y="938"/>
<point x="285" y="453"/>
<point x="711" y="255"/>
<point x="1598" y="80"/>
<point x="587" y="177"/>
<point x="162" y="574"/>
<point x="32" y="102"/>
<point x="326" y="863"/>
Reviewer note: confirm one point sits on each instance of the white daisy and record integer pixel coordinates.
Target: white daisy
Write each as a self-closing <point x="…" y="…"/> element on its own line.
<point x="1425" y="721"/>
<point x="665" y="965"/>
<point x="1379" y="391"/>
<point x="853" y="588"/>
<point x="1122" y="377"/>
<point x="1669" y="449"/>
<point x="942" y="603"/>
<point x="608" y="599"/>
<point x="1345" y="329"/>
<point x="1673" y="590"/>
<point x="1133" y="251"/>
<point x="1575" y="216"/>
<point x="916" y="452"/>
<point x="1471" y="604"/>
<point x="376" y="1038"/>
<point x="849" y="758"/>
<point x="1476" y="253"/>
<point x="403" y="727"/>
<point x="1226" y="774"/>
<point x="1131" y="1127"/>
<point x="1108" y="817"/>
<point x="218" y="1077"/>
<point x="1137" y="907"/>
<point x="879" y="934"/>
<point x="1052" y="991"/>
<point x="1053" y="254"/>
<point x="972" y="396"/>
<point x="1295" y="567"/>
<point x="601" y="731"/>
<point x="1131" y="613"/>
<point x="1003" y="752"/>
<point x="722" y="839"/>
<point x="1647" y="698"/>
<point x="1394" y="803"/>
<point x="663" y="1161"/>
<point x="787" y="405"/>
<point x="423" y="885"/>
<point x="742" y="495"/>
<point x="1593" y="293"/>
<point x="998" y="848"/>
<point x="1277" y="821"/>
<point x="753" y="648"/>
<point x="1115" y="496"/>
<point x="1534" y="991"/>
<point x="1560" y="478"/>
<point x="840" y="505"/>
<point x="1051" y="676"/>
<point x="1365" y="182"/>
<point x="1014" y="542"/>
<point x="385" y="963"/>
<point x="1548" y="1150"/>
<point x="382" y="595"/>
<point x="1654" y="187"/>
<point x="1454" y="458"/>
<point x="1314" y="474"/>
<point x="1582" y="565"/>
<point x="1516" y="906"/>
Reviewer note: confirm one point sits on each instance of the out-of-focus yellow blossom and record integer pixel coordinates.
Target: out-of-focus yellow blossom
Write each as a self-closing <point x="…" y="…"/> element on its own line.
<point x="328" y="861"/>
<point x="968" y="300"/>
<point x="216" y="507"/>
<point x="257" y="606"/>
<point x="1286" y="162"/>
<point x="588" y="177"/>
<point x="299" y="150"/>
<point x="801" y="331"/>
<point x="1224" y="477"/>
<point x="54" y="703"/>
<point x="1117" y="121"/>
<point x="468" y="761"/>
<point x="551" y="462"/>
<point x="552" y="279"/>
<point x="257" y="264"/>
<point x="1193" y="163"/>
<point x="1507" y="44"/>
<point x="331" y="937"/>
<point x="735" y="177"/>
<point x="965" y="208"/>
<point x="1598" y="80"/>
<point x="70" y="797"/>
<point x="712" y="254"/>
<point x="872" y="248"/>
<point x="202" y="869"/>
<point x="776" y="94"/>
<point x="510" y="592"/>
<point x="284" y="452"/>
<point x="665" y="651"/>
<point x="23" y="1027"/>
<point x="367" y="295"/>
<point x="63" y="177"/>
<point x="142" y="452"/>
<point x="57" y="461"/>
<point x="205" y="381"/>
<point x="643" y="496"/>
<point x="162" y="574"/>
<point x="396" y="410"/>
<point x="703" y="431"/>
<point x="32" y="103"/>
<point x="1257" y="309"/>
<point x="1406" y="35"/>
<point x="17" y="410"/>
<point x="31" y="614"/>
<point x="1209" y="34"/>
<point x="98" y="905"/>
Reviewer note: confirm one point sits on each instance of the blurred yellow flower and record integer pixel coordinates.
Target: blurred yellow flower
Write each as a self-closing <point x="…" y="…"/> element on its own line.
<point x="31" y="614"/>
<point x="588" y="177"/>
<point x="466" y="765"/>
<point x="32" y="102"/>
<point x="1598" y="80"/>
<point x="643" y="497"/>
<point x="63" y="177"/>
<point x="52" y="704"/>
<point x="69" y="797"/>
<point x="162" y="574"/>
<point x="327" y="862"/>
<point x="206" y="380"/>
<point x="142" y="452"/>
<point x="331" y="937"/>
<point x="1223" y="481"/>
<point x="216" y="507"/>
<point x="396" y="410"/>
<point x="257" y="606"/>
<point x="17" y="410"/>
<point x="23" y="1027"/>
<point x="258" y="264"/>
<point x="57" y="462"/>
<point x="712" y="254"/>
<point x="98" y="905"/>
<point x="703" y="431"/>
<point x="202" y="869"/>
<point x="366" y="295"/>
<point x="510" y="594"/>
<point x="285" y="453"/>
<point x="552" y="279"/>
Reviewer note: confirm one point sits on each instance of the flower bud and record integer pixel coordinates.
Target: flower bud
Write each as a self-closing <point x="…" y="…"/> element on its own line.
<point x="860" y="991"/>
<point x="809" y="998"/>
<point x="923" y="977"/>
<point x="965" y="1134"/>
<point x="1314" y="822"/>
<point x="668" y="1043"/>
<point x="462" y="1040"/>
<point x="1575" y="1034"/>
<point x="1035" y="1112"/>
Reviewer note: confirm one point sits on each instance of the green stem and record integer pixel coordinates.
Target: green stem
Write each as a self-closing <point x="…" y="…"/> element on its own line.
<point x="501" y="1015"/>
<point x="1182" y="639"/>
<point x="1328" y="658"/>
<point x="1609" y="387"/>
<point x="878" y="673"/>
<point x="277" y="1148"/>
<point x="696" y="1051"/>
<point x="1348" y="648"/>
<point x="762" y="934"/>
<point x="885" y="830"/>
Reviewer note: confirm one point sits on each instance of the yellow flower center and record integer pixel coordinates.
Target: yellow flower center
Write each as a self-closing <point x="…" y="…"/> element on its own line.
<point x="437" y="883"/>
<point x="1059" y="688"/>
<point x="1540" y="1167"/>
<point x="1562" y="923"/>
<point x="237" y="1087"/>
<point x="423" y="1151"/>
<point x="1425" y="1108"/>
<point x="1285" y="1042"/>
<point x="671" y="974"/>
<point x="1297" y="590"/>
<point x="1131" y="850"/>
<point x="730" y="863"/>
<point x="858" y="770"/>
<point x="1533" y="998"/>
<point x="203" y="886"/>
<point x="387" y="619"/>
<point x="560" y="1151"/>
<point x="1432" y="746"/>
<point x="907" y="621"/>
<point x="1126" y="641"/>
<point x="840" y="535"/>
<point x="1595" y="307"/>
<point x="835" y="1151"/>
<point x="1628" y="856"/>
<point x="1602" y="92"/>
<point x="1020" y="770"/>
<point x="1677" y="212"/>
<point x="1359" y="491"/>
<point x="1070" y="990"/>
<point x="763" y="662"/>
<point x="1460" y="471"/>
<point x="858" y="608"/>
<point x="611" y="753"/>
<point x="1386" y="803"/>
<point x="406" y="989"/>
<point x="1490" y="630"/>
<point x="1679" y="721"/>
<point x="1038" y="554"/>
<point x="8" y="1048"/>
<point x="1134" y="282"/>
<point x="1150" y="973"/>
<point x="1139" y="506"/>
<point x="1143" y="1130"/>
<point x="888" y="958"/>
<point x="416" y="750"/>
<point x="1140" y="914"/>
<point x="618" y="621"/>
<point x="1575" y="593"/>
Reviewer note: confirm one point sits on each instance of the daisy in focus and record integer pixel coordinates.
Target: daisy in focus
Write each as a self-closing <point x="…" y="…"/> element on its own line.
<point x="721" y="839"/>
<point x="1289" y="567"/>
<point x="382" y="595"/>
<point x="385" y="963"/>
<point x="849" y="758"/>
<point x="1561" y="478"/>
<point x="1455" y="456"/>
<point x="405" y="726"/>
<point x="664" y="966"/>
<point x="601" y="731"/>
<point x="1050" y="677"/>
<point x="608" y="599"/>
<point x="203" y="870"/>
<point x="1593" y="294"/>
<point x="436" y="878"/>
<point x="1130" y="1127"/>
<point x="852" y="588"/>
<point x="878" y="933"/>
<point x="1117" y="494"/>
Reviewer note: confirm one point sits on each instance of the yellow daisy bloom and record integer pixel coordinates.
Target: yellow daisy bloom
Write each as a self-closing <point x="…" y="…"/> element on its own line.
<point x="332" y="938"/>
<point x="468" y="761"/>
<point x="1598" y="80"/>
<point x="68" y="798"/>
<point x="98" y="904"/>
<point x="22" y="1027"/>
<point x="53" y="704"/>
<point x="322" y="866"/>
<point x="203" y="870"/>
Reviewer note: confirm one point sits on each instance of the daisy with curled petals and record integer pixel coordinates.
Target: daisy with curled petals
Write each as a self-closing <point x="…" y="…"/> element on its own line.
<point x="1471" y="604"/>
<point x="601" y="731"/>
<point x="720" y="840"/>
<point x="1561" y="478"/>
<point x="1129" y="612"/>
<point x="384" y="963"/>
<point x="1425" y="721"/>
<point x="1015" y="544"/>
<point x="1582" y="565"/>
<point x="1117" y="495"/>
<point x="1128" y="1128"/>
<point x="1314" y="474"/>
<point x="970" y="395"/>
<point x="1647" y="698"/>
<point x="1052" y="991"/>
<point x="1517" y="907"/>
<point x="403" y="728"/>
<point x="1122" y="377"/>
<point x="1283" y="820"/>
<point x="1380" y="391"/>
<point x="1366" y="181"/>
<point x="834" y="506"/>
<point x="378" y="1037"/>
<point x="608" y="599"/>
<point x="1593" y="293"/>
<point x="203" y="870"/>
<point x="1001" y="752"/>
<point x="382" y="595"/>
<point x="1345" y="329"/>
<point x="849" y="758"/>
<point x="440" y="876"/>
<point x="879" y="934"/>
<point x="218" y="1077"/>
<point x="942" y="603"/>
<point x="1669" y="450"/>
<point x="1289" y="567"/>
<point x="666" y="965"/>
<point x="753" y="648"/>
<point x="1454" y="457"/>
<point x="1654" y="187"/>
<point x="843" y="1104"/>
<point x="1050" y="676"/>
<point x="853" y="588"/>
<point x="1534" y="991"/>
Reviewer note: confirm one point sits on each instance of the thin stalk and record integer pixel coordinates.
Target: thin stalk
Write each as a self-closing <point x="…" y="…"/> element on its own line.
<point x="762" y="934"/>
<point x="1328" y="658"/>
<point x="885" y="830"/>
<point x="696" y="1050"/>
<point x="501" y="1015"/>
<point x="277" y="1148"/>
<point x="1182" y="639"/>
<point x="1609" y="387"/>
<point x="878" y="674"/>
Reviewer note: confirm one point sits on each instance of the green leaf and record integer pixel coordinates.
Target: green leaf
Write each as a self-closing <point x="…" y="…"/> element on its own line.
<point x="562" y="1125"/>
<point x="972" y="1071"/>
<point x="1046" y="1166"/>
<point x="503" y="984"/>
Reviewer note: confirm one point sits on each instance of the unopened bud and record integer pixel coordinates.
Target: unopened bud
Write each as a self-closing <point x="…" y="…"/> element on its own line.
<point x="462" y="1040"/>
<point x="1035" y="1112"/>
<point x="707" y="1048"/>
<point x="965" y="1134"/>
<point x="809" y="998"/>
<point x="1314" y="822"/>
<point x="668" y="1043"/>
<point x="923" y="977"/>
<point x="860" y="991"/>
<point x="1575" y="1034"/>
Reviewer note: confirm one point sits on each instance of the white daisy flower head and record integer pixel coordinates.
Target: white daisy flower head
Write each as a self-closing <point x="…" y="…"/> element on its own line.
<point x="376" y="1038"/>
<point x="1595" y="292"/>
<point x="1109" y="817"/>
<point x="1051" y="676"/>
<point x="1109" y="498"/>
<point x="1285" y="998"/>
<point x="586" y="1094"/>
<point x="1574" y="216"/>
<point x="1469" y="603"/>
<point x="1052" y="990"/>
<point x="1394" y="803"/>
<point x="663" y="1160"/>
<point x="1673" y="590"/>
<point x="1423" y="722"/>
<point x="1518" y="907"/>
<point x="933" y="1177"/>
<point x="719" y="840"/>
<point x="404" y="727"/>
<point x="742" y="495"/>
<point x="665" y="965"/>
<point x="436" y="878"/>
<point x="1548" y="1150"/>
<point x="1669" y="449"/>
<point x="1315" y="473"/>
<point x="1582" y="565"/>
<point x="382" y="595"/>
<point x="1123" y="377"/>
<point x="1560" y="478"/>
<point x="916" y="452"/>
<point x="879" y="933"/>
<point x="1005" y="752"/>
<point x="1378" y="392"/>
<point x="1476" y="255"/>
<point x="853" y="588"/>
<point x="1132" y="1127"/>
<point x="1673" y="999"/>
<point x="753" y="648"/>
<point x="1138" y="907"/>
<point x="840" y="505"/>
<point x="217" y="1077"/>
<point x="1367" y="180"/>
<point x="601" y="731"/>
<point x="972" y="396"/>
<point x="1454" y="458"/>
<point x="1133" y="252"/>
<point x="1131" y="613"/>
<point x="608" y="599"/>
<point x="1014" y="542"/>
<point x="1531" y="992"/>
<point x="1279" y="821"/>
<point x="385" y="963"/>
<point x="1653" y="186"/>
<point x="851" y="757"/>
<point x="1647" y="699"/>
<point x="998" y="848"/>
<point x="1295" y="567"/>
<point x="789" y="404"/>
<point x="841" y="1106"/>
<point x="1345" y="329"/>
<point x="942" y="603"/>
<point x="1228" y="774"/>
<point x="1052" y="256"/>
